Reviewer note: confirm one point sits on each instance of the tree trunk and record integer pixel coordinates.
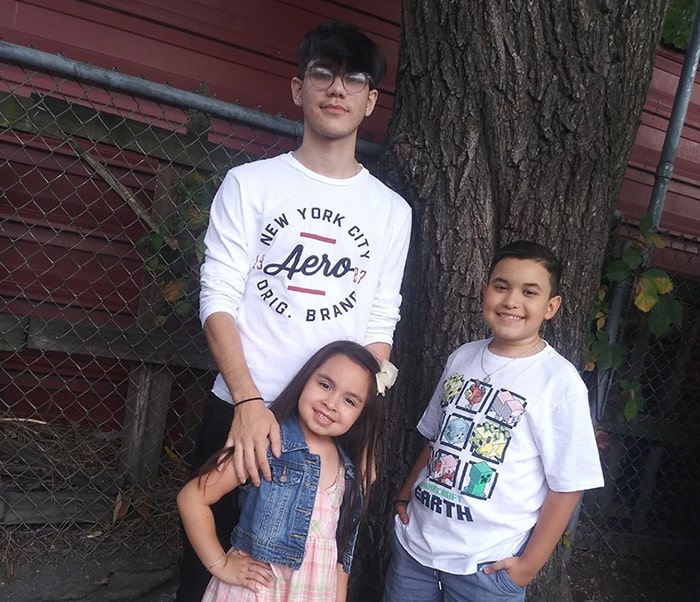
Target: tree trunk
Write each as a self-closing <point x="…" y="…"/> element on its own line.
<point x="511" y="120"/>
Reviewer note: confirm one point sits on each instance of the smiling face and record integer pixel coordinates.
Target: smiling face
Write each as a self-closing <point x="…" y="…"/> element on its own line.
<point x="333" y="398"/>
<point x="332" y="113"/>
<point x="516" y="301"/>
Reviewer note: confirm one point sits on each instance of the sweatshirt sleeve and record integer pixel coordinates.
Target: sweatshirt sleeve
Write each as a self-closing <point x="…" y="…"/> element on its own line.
<point x="385" y="313"/>
<point x="226" y="256"/>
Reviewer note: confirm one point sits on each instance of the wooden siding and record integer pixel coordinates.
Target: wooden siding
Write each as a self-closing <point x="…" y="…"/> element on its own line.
<point x="68" y="246"/>
<point x="244" y="51"/>
<point x="681" y="214"/>
<point x="682" y="206"/>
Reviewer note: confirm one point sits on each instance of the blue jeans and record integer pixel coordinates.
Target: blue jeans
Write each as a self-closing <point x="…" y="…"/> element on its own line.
<point x="409" y="581"/>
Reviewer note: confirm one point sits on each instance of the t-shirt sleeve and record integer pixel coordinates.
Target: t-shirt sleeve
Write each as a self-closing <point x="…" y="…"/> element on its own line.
<point x="567" y="444"/>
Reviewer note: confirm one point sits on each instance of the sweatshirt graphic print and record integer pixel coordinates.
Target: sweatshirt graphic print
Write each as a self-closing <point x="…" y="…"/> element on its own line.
<point x="300" y="260"/>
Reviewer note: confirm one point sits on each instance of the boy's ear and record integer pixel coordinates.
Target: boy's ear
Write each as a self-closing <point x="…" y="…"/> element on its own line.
<point x="553" y="306"/>
<point x="371" y="102"/>
<point x="296" y="85"/>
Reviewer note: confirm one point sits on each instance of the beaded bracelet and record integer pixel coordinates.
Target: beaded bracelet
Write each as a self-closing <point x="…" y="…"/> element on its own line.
<point x="217" y="561"/>
<point x="236" y="404"/>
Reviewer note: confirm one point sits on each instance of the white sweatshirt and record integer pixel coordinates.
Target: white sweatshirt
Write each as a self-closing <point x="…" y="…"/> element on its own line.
<point x="299" y="260"/>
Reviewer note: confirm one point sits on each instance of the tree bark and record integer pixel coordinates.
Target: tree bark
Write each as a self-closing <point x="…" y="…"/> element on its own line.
<point x="511" y="120"/>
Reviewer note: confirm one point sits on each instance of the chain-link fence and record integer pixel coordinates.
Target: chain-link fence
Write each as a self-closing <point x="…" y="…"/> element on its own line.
<point x="647" y="409"/>
<point x="104" y="199"/>
<point x="104" y="196"/>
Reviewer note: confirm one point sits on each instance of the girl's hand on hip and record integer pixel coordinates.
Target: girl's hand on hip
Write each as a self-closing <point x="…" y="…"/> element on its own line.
<point x="241" y="569"/>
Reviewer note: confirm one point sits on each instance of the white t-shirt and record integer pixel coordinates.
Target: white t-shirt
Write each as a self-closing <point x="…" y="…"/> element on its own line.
<point x="300" y="260"/>
<point x="496" y="450"/>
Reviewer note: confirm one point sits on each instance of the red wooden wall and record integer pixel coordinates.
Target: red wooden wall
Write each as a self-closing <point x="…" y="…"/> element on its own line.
<point x="245" y="51"/>
<point x="681" y="214"/>
<point x="67" y="240"/>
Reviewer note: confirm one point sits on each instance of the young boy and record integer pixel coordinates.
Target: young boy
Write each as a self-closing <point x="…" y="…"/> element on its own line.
<point x="301" y="249"/>
<point x="510" y="449"/>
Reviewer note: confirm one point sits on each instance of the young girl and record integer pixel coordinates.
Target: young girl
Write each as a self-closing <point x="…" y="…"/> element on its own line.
<point x="296" y="534"/>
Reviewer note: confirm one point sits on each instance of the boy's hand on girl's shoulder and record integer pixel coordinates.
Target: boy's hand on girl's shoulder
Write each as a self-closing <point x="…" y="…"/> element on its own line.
<point x="518" y="570"/>
<point x="241" y="569"/>
<point x="252" y="427"/>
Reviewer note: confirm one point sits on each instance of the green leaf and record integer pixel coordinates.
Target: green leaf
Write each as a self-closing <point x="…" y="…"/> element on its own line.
<point x="605" y="358"/>
<point x="657" y="240"/>
<point x="678" y="23"/>
<point x="631" y="386"/>
<point x="183" y="308"/>
<point x="566" y="539"/>
<point x="645" y="225"/>
<point x="618" y="351"/>
<point x="632" y="256"/>
<point x="662" y="281"/>
<point x="631" y="410"/>
<point x="618" y="270"/>
<point x="647" y="294"/>
<point x="635" y="399"/>
<point x="665" y="314"/>
<point x="659" y="322"/>
<point x="155" y="265"/>
<point x="674" y="308"/>
<point x="604" y="354"/>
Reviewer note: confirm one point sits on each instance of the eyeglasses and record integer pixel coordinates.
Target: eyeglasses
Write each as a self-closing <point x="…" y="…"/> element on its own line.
<point x="322" y="78"/>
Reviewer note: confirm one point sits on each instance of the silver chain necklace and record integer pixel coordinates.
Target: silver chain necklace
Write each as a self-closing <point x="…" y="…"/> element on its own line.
<point x="487" y="375"/>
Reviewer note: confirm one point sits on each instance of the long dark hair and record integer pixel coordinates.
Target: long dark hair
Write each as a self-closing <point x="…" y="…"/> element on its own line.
<point x="358" y="443"/>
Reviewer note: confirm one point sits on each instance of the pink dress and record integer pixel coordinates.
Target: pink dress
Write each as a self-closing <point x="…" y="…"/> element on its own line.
<point x="315" y="580"/>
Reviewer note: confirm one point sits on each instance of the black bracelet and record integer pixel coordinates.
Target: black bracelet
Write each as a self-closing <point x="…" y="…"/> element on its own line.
<point x="237" y="403"/>
<point x="401" y="501"/>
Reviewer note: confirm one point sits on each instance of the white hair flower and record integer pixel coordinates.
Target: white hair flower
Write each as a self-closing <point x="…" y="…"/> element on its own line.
<point x="386" y="376"/>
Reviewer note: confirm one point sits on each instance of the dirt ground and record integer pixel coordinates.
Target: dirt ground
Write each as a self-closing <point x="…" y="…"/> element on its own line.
<point x="594" y="577"/>
<point x="600" y="577"/>
<point x="151" y="577"/>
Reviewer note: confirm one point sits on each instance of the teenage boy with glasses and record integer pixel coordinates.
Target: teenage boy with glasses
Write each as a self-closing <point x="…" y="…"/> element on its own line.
<point x="302" y="249"/>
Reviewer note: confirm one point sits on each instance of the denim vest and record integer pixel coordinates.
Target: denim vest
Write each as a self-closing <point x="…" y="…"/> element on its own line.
<point x="275" y="517"/>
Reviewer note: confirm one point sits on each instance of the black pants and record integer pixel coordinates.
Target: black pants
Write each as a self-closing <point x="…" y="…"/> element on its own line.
<point x="216" y="424"/>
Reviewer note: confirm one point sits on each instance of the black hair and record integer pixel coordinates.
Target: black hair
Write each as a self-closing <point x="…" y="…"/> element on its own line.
<point x="342" y="45"/>
<point x="525" y="249"/>
<point x="359" y="442"/>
